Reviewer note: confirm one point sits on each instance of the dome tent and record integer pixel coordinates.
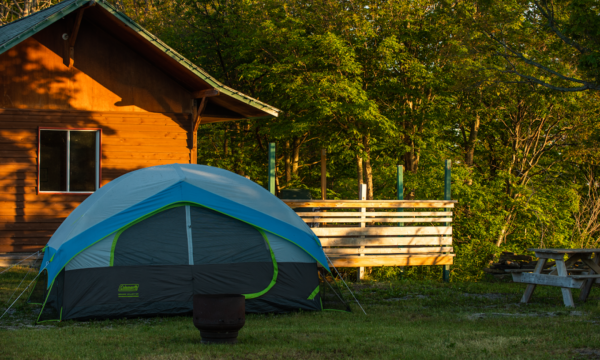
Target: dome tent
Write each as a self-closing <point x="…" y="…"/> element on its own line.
<point x="146" y="242"/>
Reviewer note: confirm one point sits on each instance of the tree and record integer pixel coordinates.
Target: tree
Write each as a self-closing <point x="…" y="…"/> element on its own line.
<point x="552" y="43"/>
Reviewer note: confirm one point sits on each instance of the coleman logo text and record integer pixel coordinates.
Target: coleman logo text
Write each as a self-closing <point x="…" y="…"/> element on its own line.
<point x="128" y="290"/>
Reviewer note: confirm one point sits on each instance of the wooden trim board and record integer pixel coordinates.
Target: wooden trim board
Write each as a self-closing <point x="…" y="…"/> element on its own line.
<point x="372" y="220"/>
<point x="388" y="250"/>
<point x="371" y="203"/>
<point x="375" y="231"/>
<point x="396" y="260"/>
<point x="374" y="213"/>
<point x="373" y="241"/>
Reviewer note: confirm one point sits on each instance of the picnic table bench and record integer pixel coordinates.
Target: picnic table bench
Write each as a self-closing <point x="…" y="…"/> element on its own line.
<point x="561" y="275"/>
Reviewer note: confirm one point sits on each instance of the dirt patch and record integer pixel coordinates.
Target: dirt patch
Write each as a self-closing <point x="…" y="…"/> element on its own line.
<point x="407" y="297"/>
<point x="540" y="314"/>
<point x="587" y="353"/>
<point x="492" y="296"/>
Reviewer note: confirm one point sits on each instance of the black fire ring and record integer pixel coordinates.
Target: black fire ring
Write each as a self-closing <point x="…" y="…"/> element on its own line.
<point x="219" y="317"/>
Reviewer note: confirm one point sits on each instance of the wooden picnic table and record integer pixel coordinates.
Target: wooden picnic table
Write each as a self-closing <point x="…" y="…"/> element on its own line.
<point x="561" y="276"/>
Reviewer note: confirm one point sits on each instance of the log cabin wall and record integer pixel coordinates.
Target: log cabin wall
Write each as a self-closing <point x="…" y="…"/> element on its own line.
<point x="143" y="114"/>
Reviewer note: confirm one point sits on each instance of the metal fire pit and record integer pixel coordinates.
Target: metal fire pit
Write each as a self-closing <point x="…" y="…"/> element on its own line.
<point x="219" y="317"/>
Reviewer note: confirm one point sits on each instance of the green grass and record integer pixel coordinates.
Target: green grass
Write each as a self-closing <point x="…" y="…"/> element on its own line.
<point x="406" y="319"/>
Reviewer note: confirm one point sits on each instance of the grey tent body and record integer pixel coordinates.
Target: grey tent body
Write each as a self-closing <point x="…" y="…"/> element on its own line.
<point x="186" y="243"/>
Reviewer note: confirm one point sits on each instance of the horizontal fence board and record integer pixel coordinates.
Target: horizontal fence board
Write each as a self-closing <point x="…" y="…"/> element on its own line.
<point x="396" y="260"/>
<point x="383" y="230"/>
<point x="371" y="203"/>
<point x="386" y="250"/>
<point x="373" y="241"/>
<point x="374" y="213"/>
<point x="372" y="220"/>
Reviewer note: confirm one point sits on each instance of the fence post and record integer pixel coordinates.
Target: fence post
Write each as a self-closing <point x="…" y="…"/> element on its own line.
<point x="400" y="187"/>
<point x="362" y="195"/>
<point x="272" y="168"/>
<point x="400" y="183"/>
<point x="323" y="174"/>
<point x="447" y="196"/>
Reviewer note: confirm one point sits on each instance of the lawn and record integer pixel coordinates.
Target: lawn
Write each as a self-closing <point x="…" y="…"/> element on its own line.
<point x="405" y="319"/>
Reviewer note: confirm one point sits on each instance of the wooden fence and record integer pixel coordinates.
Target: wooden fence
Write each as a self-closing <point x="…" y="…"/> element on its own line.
<point x="359" y="233"/>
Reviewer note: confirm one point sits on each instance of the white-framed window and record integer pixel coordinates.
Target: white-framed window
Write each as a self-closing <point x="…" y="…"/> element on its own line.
<point x="68" y="160"/>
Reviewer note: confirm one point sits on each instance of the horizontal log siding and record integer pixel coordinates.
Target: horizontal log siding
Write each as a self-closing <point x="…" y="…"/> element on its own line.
<point x="130" y="141"/>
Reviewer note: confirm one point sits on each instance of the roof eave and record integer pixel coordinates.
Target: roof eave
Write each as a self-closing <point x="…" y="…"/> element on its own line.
<point x="268" y="110"/>
<point x="225" y="90"/>
<point x="42" y="25"/>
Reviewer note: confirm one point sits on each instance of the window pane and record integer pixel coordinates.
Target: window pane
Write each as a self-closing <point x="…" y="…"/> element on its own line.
<point x="53" y="161"/>
<point x="83" y="161"/>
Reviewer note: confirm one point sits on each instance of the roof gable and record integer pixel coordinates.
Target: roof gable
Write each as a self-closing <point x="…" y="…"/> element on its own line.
<point x="191" y="76"/>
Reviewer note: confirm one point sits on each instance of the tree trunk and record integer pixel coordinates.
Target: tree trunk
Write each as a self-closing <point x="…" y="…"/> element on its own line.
<point x="225" y="140"/>
<point x="368" y="169"/>
<point x="238" y="158"/>
<point x="288" y="163"/>
<point x="277" y="188"/>
<point x="503" y="231"/>
<point x="359" y="169"/>
<point x="412" y="157"/>
<point x="295" y="156"/>
<point x="470" y="150"/>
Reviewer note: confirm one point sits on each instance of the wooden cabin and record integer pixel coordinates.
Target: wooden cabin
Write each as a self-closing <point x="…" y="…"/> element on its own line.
<point x="88" y="95"/>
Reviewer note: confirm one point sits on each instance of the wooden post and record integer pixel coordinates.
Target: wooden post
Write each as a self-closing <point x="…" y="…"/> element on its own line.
<point x="400" y="187"/>
<point x="400" y="183"/>
<point x="400" y="194"/>
<point x="566" y="292"/>
<point x="447" y="196"/>
<point x="323" y="174"/>
<point x="272" y="168"/>
<point x="362" y="195"/>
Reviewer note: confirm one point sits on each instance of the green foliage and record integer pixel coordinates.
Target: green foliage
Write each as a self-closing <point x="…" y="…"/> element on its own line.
<point x="409" y="83"/>
<point x="470" y="321"/>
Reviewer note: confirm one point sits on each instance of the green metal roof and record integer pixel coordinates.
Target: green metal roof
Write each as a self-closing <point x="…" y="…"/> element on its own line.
<point x="15" y="32"/>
